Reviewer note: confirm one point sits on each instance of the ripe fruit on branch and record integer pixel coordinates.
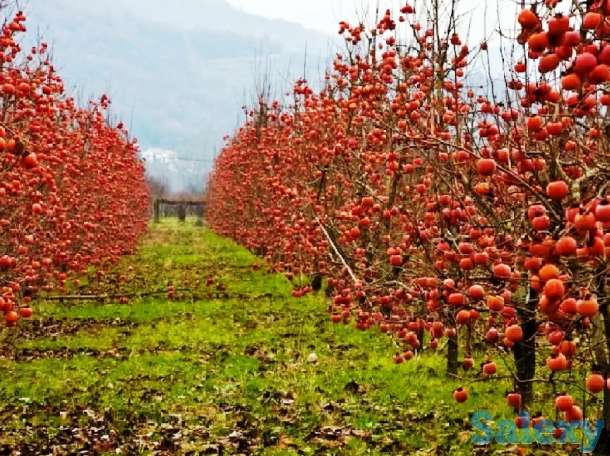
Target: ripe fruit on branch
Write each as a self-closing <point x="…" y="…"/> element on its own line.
<point x="557" y="190"/>
<point x="568" y="306"/>
<point x="584" y="63"/>
<point x="528" y="19"/>
<point x="541" y="223"/>
<point x="595" y="383"/>
<point x="557" y="363"/>
<point x="534" y="123"/>
<point x="554" y="289"/>
<point x="476" y="292"/>
<point x="548" y="306"/>
<point x="25" y="312"/>
<point x="585" y="222"/>
<point x="538" y="42"/>
<point x="456" y="299"/>
<point x="30" y="161"/>
<point x="554" y="129"/>
<point x="564" y="402"/>
<point x="602" y="211"/>
<point x="535" y="210"/>
<point x="396" y="260"/>
<point x="495" y="303"/>
<point x="574" y="413"/>
<point x="556" y="337"/>
<point x="481" y="258"/>
<point x="599" y="74"/>
<point x="568" y="348"/>
<point x="492" y="336"/>
<point x="462" y="317"/>
<point x="571" y="82"/>
<point x="587" y="307"/>
<point x="486" y="166"/>
<point x="489" y="368"/>
<point x="566" y="246"/>
<point x="592" y="20"/>
<point x="11" y="317"/>
<point x="514" y="400"/>
<point x="502" y="271"/>
<point x="548" y="271"/>
<point x="548" y="63"/>
<point x="514" y="333"/>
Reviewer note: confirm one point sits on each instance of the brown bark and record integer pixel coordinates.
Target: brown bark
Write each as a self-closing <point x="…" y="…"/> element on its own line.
<point x="452" y="356"/>
<point x="603" y="444"/>
<point x="524" y="352"/>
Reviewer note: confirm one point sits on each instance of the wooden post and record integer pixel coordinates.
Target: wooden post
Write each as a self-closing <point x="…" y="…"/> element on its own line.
<point x="181" y="212"/>
<point x="199" y="213"/>
<point x="156" y="210"/>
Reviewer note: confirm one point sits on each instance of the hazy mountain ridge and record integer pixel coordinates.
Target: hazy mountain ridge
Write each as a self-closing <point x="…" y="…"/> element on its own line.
<point x="178" y="76"/>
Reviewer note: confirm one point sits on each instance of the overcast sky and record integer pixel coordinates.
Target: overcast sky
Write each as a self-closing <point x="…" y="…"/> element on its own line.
<point x="324" y="15"/>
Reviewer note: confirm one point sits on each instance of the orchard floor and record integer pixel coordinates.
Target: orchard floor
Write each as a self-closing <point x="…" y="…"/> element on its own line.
<point x="235" y="367"/>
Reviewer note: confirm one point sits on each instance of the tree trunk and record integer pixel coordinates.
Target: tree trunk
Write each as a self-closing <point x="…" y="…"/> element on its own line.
<point x="420" y="336"/>
<point x="603" y="444"/>
<point x="524" y="352"/>
<point x="452" y="356"/>
<point x="601" y="341"/>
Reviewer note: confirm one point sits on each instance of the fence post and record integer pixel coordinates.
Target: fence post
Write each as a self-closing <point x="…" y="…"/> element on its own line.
<point x="181" y="212"/>
<point x="199" y="210"/>
<point x="156" y="210"/>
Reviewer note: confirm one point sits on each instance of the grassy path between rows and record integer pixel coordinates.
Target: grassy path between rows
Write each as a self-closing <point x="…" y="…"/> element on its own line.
<point x="234" y="366"/>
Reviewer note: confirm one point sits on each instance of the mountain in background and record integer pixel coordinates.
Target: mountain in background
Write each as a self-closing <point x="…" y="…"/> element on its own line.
<point x="178" y="76"/>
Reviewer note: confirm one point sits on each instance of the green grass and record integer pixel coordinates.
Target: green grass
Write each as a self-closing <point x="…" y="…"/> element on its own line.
<point x="225" y="375"/>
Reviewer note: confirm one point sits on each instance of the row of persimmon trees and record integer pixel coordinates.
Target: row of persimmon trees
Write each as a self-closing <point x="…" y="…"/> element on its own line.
<point x="72" y="188"/>
<point x="438" y="212"/>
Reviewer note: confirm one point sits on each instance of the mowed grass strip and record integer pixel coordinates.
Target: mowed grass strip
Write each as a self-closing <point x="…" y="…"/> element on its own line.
<point x="266" y="375"/>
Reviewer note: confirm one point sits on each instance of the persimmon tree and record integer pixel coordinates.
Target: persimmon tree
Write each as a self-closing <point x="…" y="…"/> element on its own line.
<point x="348" y="166"/>
<point x="72" y="188"/>
<point x="437" y="209"/>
